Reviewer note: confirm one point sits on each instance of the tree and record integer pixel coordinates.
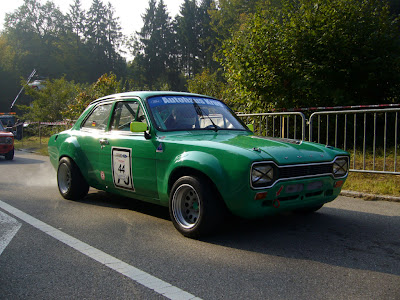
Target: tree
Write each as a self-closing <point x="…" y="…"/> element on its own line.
<point x="75" y="21"/>
<point x="50" y="103"/>
<point x="9" y="80"/>
<point x="207" y="36"/>
<point x="105" y="85"/>
<point x="308" y="53"/>
<point x="228" y="15"/>
<point x="113" y="33"/>
<point x="33" y="30"/>
<point x="394" y="7"/>
<point x="155" y="60"/>
<point x="188" y="37"/>
<point x="103" y="37"/>
<point x="207" y="83"/>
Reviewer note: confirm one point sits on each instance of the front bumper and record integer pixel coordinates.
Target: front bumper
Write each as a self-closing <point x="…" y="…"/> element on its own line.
<point x="285" y="196"/>
<point x="4" y="149"/>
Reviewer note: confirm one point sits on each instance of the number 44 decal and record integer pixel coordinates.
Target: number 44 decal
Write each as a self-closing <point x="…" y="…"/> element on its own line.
<point x="122" y="168"/>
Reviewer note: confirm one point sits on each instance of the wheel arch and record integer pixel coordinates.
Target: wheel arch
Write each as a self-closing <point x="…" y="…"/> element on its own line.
<point x="189" y="171"/>
<point x="70" y="148"/>
<point x="198" y="164"/>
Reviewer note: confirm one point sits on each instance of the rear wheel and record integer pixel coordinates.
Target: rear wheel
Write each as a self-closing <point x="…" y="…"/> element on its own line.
<point x="195" y="207"/>
<point x="10" y="155"/>
<point x="71" y="184"/>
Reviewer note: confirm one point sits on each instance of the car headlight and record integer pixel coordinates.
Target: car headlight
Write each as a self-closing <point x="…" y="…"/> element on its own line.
<point x="340" y="167"/>
<point x="262" y="175"/>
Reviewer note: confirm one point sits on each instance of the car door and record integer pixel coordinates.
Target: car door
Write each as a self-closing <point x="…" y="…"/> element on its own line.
<point x="91" y="139"/>
<point x="127" y="158"/>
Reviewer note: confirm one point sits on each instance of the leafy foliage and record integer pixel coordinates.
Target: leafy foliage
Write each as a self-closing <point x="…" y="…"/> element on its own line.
<point x="107" y="84"/>
<point x="81" y="45"/>
<point x="155" y="53"/>
<point x="50" y="102"/>
<point x="62" y="99"/>
<point x="207" y="83"/>
<point x="256" y="55"/>
<point x="311" y="53"/>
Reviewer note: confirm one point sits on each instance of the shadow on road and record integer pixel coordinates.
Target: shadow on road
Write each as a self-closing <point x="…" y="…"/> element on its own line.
<point x="101" y="198"/>
<point x="331" y="236"/>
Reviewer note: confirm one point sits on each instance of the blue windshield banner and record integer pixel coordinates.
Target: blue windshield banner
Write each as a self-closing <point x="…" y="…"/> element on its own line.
<point x="165" y="100"/>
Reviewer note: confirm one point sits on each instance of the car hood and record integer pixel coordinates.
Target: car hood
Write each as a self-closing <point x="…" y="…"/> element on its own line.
<point x="282" y="151"/>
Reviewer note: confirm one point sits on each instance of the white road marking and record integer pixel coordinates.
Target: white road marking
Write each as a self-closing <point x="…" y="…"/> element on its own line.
<point x="8" y="229"/>
<point x="159" y="286"/>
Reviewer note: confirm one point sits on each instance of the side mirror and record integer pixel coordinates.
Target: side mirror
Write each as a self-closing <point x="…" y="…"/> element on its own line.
<point x="138" y="127"/>
<point x="251" y="127"/>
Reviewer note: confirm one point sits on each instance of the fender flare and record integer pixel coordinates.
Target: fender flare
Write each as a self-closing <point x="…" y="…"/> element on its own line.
<point x="72" y="149"/>
<point x="201" y="162"/>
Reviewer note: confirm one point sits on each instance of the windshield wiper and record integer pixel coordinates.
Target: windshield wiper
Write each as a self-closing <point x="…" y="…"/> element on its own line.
<point x="200" y="113"/>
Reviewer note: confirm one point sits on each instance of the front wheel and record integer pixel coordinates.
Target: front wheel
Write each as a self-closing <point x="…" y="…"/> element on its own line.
<point x="195" y="207"/>
<point x="71" y="184"/>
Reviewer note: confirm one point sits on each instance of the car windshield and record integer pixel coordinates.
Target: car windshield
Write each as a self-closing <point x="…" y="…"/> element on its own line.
<point x="192" y="113"/>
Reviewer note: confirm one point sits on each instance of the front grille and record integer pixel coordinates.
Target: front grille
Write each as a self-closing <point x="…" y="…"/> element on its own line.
<point x="304" y="171"/>
<point x="299" y="171"/>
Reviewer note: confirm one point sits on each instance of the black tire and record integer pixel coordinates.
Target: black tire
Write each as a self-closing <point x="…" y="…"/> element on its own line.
<point x="71" y="184"/>
<point x="309" y="210"/>
<point x="10" y="155"/>
<point x="195" y="207"/>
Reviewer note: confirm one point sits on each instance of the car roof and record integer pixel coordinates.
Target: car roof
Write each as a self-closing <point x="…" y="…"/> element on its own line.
<point x="145" y="94"/>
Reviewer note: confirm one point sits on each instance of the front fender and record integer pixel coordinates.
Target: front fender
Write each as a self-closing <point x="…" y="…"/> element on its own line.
<point x="202" y="162"/>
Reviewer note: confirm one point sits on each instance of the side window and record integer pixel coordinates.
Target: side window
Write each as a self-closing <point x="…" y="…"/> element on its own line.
<point x="125" y="113"/>
<point x="141" y="117"/>
<point x="98" y="119"/>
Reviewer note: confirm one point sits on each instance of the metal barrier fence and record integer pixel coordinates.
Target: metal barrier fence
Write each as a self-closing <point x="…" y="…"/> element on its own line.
<point x="279" y="124"/>
<point x="370" y="135"/>
<point x="37" y="129"/>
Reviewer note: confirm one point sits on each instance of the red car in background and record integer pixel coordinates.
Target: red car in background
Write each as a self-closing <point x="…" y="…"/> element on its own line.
<point x="6" y="143"/>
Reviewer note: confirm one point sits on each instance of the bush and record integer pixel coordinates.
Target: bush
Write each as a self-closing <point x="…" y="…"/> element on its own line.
<point x="315" y="53"/>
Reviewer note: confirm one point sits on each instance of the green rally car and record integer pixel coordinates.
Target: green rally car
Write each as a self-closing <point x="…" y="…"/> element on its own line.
<point x="191" y="153"/>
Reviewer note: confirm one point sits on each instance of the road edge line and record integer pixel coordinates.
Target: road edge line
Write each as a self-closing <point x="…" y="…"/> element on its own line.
<point x="143" y="278"/>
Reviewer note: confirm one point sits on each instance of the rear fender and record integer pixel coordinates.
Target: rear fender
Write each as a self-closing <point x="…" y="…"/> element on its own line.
<point x="70" y="147"/>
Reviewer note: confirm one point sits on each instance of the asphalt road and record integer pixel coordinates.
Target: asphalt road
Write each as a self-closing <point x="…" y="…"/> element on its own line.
<point x="105" y="247"/>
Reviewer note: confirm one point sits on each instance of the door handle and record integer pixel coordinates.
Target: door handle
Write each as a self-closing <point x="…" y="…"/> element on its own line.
<point x="104" y="142"/>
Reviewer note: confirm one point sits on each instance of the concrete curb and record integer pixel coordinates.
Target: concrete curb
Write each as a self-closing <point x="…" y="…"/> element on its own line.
<point x="371" y="197"/>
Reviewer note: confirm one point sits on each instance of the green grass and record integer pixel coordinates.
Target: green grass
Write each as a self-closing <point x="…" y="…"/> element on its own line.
<point x="33" y="144"/>
<point x="380" y="184"/>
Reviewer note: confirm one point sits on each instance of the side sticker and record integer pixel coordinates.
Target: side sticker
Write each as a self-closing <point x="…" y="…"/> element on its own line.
<point x="122" y="168"/>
